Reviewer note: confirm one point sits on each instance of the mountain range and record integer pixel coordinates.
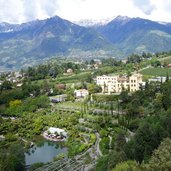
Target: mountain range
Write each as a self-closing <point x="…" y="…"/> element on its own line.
<point x="135" y="35"/>
<point x="29" y="43"/>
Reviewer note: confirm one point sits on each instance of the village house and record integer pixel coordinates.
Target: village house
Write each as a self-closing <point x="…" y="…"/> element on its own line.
<point x="116" y="84"/>
<point x="58" y="98"/>
<point x="81" y="93"/>
<point x="13" y="80"/>
<point x="69" y="71"/>
<point x="98" y="61"/>
<point x="1" y="82"/>
<point x="18" y="75"/>
<point x="19" y="84"/>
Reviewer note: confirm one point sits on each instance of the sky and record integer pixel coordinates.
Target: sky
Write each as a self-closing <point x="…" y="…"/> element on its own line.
<point x="19" y="11"/>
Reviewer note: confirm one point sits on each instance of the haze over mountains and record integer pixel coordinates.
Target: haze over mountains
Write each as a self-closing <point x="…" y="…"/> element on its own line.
<point x="32" y="42"/>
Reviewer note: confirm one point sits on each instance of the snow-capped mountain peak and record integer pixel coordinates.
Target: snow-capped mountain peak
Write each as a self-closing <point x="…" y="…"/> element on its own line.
<point x="93" y="23"/>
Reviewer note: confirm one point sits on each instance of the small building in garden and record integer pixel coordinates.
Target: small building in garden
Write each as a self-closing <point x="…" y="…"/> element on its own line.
<point x="158" y="79"/>
<point x="58" y="98"/>
<point x="81" y="93"/>
<point x="55" y="134"/>
<point x="69" y="71"/>
<point x="57" y="131"/>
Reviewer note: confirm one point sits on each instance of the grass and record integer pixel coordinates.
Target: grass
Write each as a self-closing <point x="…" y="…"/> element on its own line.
<point x="156" y="71"/>
<point x="165" y="60"/>
<point x="72" y="105"/>
<point x="74" y="78"/>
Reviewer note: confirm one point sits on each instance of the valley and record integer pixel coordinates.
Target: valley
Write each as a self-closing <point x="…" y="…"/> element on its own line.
<point x="106" y="130"/>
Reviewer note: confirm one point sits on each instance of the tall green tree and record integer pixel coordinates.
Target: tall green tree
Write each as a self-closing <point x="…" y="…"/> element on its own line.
<point x="161" y="158"/>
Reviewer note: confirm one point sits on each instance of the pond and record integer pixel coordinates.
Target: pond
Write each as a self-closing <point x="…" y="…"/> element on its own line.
<point x="44" y="152"/>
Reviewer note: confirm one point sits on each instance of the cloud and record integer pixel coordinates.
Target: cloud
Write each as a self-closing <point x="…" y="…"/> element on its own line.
<point x="145" y="6"/>
<point x="18" y="11"/>
<point x="10" y="10"/>
<point x="167" y="5"/>
<point x="95" y="9"/>
<point x="25" y="10"/>
<point x="39" y="9"/>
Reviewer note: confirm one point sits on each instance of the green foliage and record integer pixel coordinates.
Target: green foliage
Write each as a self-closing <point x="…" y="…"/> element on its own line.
<point x="94" y="88"/>
<point x="155" y="63"/>
<point x="111" y="62"/>
<point x="103" y="133"/>
<point x="161" y="158"/>
<point x="144" y="143"/>
<point x="6" y="85"/>
<point x="75" y="147"/>
<point x="166" y="97"/>
<point x="148" y="136"/>
<point x="134" y="58"/>
<point x="117" y="154"/>
<point x="29" y="105"/>
<point x="134" y="124"/>
<point x="104" y="145"/>
<point x="70" y="94"/>
<point x="15" y="103"/>
<point x="7" y="96"/>
<point x="92" y="139"/>
<point x="12" y="159"/>
<point x="10" y="137"/>
<point x="102" y="164"/>
<point x="127" y="166"/>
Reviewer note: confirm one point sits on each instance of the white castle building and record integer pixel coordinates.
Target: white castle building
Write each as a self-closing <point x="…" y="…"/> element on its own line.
<point x="116" y="84"/>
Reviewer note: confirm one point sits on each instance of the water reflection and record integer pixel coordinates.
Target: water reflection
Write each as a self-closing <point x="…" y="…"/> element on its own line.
<point x="44" y="152"/>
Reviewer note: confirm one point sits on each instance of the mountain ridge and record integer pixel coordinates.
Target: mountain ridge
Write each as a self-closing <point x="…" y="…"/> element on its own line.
<point x="27" y="43"/>
<point x="129" y="34"/>
<point x="43" y="39"/>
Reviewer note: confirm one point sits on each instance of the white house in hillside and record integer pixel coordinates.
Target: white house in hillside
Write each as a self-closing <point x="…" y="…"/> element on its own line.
<point x="116" y="84"/>
<point x="69" y="71"/>
<point x="81" y="93"/>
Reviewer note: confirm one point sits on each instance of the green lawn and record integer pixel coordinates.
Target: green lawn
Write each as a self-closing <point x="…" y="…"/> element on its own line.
<point x="156" y="71"/>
